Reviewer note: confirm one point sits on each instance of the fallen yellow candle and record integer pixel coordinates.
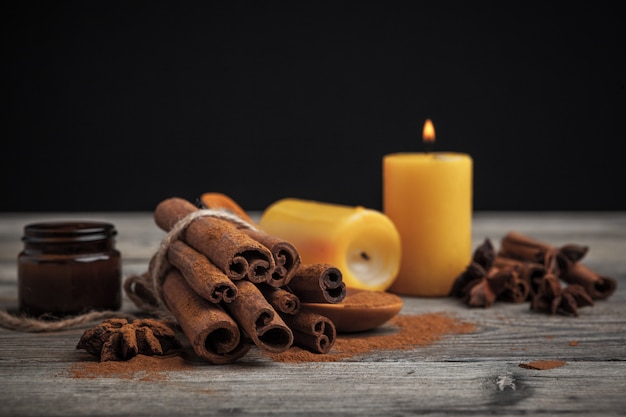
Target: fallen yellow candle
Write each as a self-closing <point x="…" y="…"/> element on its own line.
<point x="428" y="196"/>
<point x="362" y="243"/>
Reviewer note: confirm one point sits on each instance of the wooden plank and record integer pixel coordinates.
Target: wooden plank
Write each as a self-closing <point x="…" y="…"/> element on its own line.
<point x="468" y="374"/>
<point x="345" y="388"/>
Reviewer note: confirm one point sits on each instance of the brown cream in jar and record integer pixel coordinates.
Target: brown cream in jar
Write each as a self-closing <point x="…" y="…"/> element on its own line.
<point x="67" y="268"/>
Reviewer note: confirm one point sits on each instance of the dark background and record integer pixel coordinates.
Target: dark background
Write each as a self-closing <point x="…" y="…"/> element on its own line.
<point x="115" y="105"/>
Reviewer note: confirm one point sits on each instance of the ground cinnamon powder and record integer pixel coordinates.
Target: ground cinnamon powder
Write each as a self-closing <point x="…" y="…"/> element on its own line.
<point x="142" y="367"/>
<point x="543" y="364"/>
<point x="370" y="299"/>
<point x="403" y="332"/>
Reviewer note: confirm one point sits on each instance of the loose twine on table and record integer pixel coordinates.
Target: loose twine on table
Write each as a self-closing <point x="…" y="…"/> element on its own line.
<point x="153" y="282"/>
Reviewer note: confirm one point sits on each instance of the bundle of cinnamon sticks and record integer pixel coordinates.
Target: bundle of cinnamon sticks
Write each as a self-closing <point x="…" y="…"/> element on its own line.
<point x="231" y="286"/>
<point x="525" y="269"/>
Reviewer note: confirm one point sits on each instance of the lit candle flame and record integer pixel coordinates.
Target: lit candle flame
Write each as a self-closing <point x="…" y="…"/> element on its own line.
<point x="428" y="133"/>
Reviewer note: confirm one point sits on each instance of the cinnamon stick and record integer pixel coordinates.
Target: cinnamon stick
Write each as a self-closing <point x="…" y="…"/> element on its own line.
<point x="229" y="248"/>
<point x="318" y="283"/>
<point x="531" y="272"/>
<point x="222" y="201"/>
<point x="286" y="257"/>
<point x="258" y="319"/>
<point x="206" y="279"/>
<point x="597" y="286"/>
<point x="282" y="300"/>
<point x="312" y="331"/>
<point x="528" y="269"/>
<point x="568" y="260"/>
<point x="518" y="246"/>
<point x="213" y="334"/>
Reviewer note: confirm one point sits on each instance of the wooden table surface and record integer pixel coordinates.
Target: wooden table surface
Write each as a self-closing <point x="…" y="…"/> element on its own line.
<point x="468" y="374"/>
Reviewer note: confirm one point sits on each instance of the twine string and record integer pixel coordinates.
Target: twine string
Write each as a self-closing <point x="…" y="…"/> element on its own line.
<point x="160" y="259"/>
<point x="23" y="323"/>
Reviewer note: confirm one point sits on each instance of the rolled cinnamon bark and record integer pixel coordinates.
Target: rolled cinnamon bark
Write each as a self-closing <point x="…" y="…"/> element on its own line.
<point x="282" y="300"/>
<point x="227" y="247"/>
<point x="258" y="319"/>
<point x="518" y="246"/>
<point x="206" y="279"/>
<point x="286" y="257"/>
<point x="312" y="330"/>
<point x="599" y="287"/>
<point x="318" y="283"/>
<point x="570" y="269"/>
<point x="214" y="200"/>
<point x="213" y="334"/>
<point x="528" y="271"/>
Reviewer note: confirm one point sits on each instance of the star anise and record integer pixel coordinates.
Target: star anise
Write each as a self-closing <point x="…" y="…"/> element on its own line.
<point x="119" y="339"/>
<point x="573" y="297"/>
<point x="482" y="283"/>
<point x="475" y="272"/>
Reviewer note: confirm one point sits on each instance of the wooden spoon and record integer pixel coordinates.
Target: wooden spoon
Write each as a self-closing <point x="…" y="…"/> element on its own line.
<point x="360" y="311"/>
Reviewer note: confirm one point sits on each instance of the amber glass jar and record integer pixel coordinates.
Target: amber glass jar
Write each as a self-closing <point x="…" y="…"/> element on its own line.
<point x="67" y="268"/>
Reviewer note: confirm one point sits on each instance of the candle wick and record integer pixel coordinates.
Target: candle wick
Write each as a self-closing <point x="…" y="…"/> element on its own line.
<point x="428" y="146"/>
<point x="365" y="256"/>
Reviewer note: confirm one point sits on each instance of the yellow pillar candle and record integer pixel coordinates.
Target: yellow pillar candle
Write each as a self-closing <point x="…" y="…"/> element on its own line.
<point x="362" y="243"/>
<point x="428" y="196"/>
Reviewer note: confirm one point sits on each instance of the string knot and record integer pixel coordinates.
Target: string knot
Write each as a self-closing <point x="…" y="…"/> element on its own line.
<point x="151" y="299"/>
